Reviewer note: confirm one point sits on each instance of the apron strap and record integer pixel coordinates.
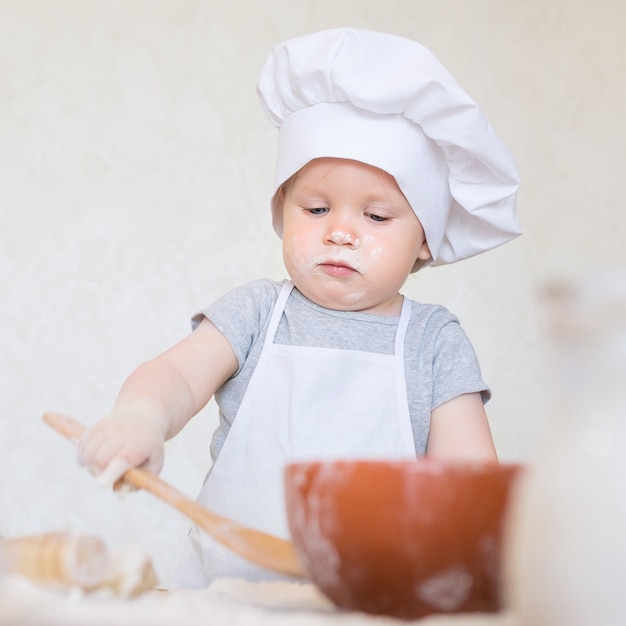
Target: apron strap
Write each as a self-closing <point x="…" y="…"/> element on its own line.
<point x="283" y="296"/>
<point x="403" y="324"/>
<point x="277" y="313"/>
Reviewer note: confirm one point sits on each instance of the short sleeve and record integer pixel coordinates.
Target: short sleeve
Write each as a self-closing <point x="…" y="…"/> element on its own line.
<point x="242" y="314"/>
<point x="456" y="370"/>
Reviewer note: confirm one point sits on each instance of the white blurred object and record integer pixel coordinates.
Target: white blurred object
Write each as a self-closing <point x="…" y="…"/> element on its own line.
<point x="566" y="545"/>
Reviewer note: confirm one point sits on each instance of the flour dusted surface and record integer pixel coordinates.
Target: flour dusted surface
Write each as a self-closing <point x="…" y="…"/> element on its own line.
<point x="224" y="603"/>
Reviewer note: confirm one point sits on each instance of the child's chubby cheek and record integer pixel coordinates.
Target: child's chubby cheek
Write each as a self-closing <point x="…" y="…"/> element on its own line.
<point x="296" y="257"/>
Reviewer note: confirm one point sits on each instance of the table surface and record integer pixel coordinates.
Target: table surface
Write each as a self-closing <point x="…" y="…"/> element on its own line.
<point x="225" y="602"/>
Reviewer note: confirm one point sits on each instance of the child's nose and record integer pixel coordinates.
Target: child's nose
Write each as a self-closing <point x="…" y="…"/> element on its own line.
<point x="343" y="229"/>
<point x="343" y="238"/>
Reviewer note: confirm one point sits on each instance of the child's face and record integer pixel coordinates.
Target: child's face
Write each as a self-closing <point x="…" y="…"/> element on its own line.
<point x="350" y="238"/>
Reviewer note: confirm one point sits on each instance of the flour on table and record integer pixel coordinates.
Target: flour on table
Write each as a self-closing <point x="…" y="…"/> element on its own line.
<point x="225" y="602"/>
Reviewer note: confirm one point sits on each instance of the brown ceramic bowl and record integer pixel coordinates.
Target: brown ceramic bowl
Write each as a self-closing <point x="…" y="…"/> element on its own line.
<point x="401" y="538"/>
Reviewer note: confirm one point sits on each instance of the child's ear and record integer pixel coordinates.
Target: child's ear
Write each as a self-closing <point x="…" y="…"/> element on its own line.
<point x="424" y="253"/>
<point x="280" y="197"/>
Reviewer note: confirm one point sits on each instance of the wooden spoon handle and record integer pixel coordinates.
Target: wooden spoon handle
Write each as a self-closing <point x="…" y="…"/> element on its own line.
<point x="266" y="550"/>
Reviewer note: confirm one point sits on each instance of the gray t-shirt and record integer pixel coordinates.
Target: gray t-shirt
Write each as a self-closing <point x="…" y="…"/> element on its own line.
<point x="440" y="362"/>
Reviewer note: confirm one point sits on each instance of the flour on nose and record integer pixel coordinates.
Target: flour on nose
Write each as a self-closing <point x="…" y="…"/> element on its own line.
<point x="341" y="238"/>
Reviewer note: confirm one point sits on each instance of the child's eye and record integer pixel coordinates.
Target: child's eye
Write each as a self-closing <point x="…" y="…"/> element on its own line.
<point x="377" y="218"/>
<point x="318" y="210"/>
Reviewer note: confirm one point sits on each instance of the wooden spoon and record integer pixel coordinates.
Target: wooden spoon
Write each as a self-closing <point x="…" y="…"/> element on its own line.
<point x="261" y="548"/>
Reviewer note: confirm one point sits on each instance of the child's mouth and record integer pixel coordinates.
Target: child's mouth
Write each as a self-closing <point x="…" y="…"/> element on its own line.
<point x="337" y="269"/>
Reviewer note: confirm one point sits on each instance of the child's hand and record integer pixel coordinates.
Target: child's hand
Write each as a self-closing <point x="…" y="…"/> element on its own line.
<point x="120" y="442"/>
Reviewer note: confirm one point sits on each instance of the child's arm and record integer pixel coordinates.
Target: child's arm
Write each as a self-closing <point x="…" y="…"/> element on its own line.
<point x="459" y="430"/>
<point x="155" y="402"/>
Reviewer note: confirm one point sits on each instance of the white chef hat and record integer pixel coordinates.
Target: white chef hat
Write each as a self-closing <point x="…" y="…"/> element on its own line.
<point x="387" y="101"/>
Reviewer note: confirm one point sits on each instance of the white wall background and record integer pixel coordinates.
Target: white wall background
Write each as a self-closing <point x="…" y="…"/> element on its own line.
<point x="135" y="173"/>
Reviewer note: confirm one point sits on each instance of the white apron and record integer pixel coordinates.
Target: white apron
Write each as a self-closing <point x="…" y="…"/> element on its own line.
<point x="301" y="403"/>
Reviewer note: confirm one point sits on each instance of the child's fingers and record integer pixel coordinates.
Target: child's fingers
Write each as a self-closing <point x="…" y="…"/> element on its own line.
<point x="113" y="472"/>
<point x="89" y="446"/>
<point x="113" y="446"/>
